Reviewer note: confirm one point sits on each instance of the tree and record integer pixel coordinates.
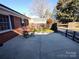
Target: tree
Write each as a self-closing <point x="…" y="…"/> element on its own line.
<point x="49" y="21"/>
<point x="40" y="8"/>
<point x="68" y="11"/>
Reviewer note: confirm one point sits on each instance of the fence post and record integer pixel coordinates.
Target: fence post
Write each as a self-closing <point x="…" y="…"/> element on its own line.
<point x="66" y="33"/>
<point x="74" y="33"/>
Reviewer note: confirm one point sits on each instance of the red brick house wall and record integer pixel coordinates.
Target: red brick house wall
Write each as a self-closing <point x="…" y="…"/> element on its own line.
<point x="17" y="22"/>
<point x="17" y="27"/>
<point x="11" y="34"/>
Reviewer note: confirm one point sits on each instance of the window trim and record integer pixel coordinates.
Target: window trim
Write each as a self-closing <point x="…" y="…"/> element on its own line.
<point x="4" y="31"/>
<point x="9" y="24"/>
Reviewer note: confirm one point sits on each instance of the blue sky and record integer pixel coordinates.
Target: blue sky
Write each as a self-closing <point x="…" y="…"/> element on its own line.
<point x="23" y="6"/>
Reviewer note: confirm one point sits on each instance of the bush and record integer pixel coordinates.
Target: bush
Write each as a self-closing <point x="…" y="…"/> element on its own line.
<point x="54" y="27"/>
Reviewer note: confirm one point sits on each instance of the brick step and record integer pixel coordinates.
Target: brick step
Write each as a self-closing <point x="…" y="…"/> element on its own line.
<point x="7" y="36"/>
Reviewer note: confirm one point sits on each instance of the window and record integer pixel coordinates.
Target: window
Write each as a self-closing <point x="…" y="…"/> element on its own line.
<point x="26" y="21"/>
<point x="22" y="22"/>
<point x="4" y="22"/>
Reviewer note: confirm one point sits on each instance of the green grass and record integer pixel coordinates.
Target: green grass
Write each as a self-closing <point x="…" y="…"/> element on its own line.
<point x="43" y="30"/>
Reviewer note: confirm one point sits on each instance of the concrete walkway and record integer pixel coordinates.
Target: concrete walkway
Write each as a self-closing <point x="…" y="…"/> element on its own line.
<point x="52" y="46"/>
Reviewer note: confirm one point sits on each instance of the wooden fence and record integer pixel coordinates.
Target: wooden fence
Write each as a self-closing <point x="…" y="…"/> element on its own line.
<point x="74" y="35"/>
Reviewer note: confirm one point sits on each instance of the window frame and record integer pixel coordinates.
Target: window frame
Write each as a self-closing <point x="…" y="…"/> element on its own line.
<point x="10" y="26"/>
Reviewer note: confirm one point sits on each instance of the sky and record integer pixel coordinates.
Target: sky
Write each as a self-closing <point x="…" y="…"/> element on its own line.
<point x="23" y="6"/>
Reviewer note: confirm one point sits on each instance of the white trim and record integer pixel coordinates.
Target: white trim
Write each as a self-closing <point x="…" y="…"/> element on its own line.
<point x="14" y="13"/>
<point x="10" y="22"/>
<point x="3" y="31"/>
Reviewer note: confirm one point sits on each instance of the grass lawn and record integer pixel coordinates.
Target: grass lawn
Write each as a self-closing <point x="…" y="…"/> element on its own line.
<point x="44" y="30"/>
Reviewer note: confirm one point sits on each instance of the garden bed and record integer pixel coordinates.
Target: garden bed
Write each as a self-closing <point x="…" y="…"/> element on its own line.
<point x="43" y="32"/>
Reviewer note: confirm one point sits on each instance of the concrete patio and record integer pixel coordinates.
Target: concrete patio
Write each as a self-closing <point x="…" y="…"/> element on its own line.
<point x="51" y="46"/>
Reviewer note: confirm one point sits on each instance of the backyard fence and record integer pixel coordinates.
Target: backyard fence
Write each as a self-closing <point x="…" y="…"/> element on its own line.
<point x="74" y="35"/>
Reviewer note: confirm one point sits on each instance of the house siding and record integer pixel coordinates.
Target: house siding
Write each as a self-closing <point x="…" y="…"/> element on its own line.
<point x="15" y="24"/>
<point x="12" y="21"/>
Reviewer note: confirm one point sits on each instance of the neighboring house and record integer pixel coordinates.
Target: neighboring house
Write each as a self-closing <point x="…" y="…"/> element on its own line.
<point x="73" y="25"/>
<point x="37" y="22"/>
<point x="11" y="23"/>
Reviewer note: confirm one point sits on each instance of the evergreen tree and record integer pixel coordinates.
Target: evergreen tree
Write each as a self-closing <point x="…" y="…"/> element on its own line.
<point x="68" y="10"/>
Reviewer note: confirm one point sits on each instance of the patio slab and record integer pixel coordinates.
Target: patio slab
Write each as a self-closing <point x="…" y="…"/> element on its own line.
<point x="51" y="46"/>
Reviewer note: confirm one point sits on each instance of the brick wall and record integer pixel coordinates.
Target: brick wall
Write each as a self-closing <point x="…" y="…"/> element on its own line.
<point x="17" y="25"/>
<point x="17" y="22"/>
<point x="17" y="30"/>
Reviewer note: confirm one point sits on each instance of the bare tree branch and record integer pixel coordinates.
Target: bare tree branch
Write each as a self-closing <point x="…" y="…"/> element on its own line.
<point x="40" y="8"/>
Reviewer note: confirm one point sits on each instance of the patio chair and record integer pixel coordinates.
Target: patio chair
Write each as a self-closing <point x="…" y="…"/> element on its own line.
<point x="25" y="34"/>
<point x="28" y="33"/>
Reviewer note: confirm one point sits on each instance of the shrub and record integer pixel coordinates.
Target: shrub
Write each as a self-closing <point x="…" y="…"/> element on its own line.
<point x="54" y="27"/>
